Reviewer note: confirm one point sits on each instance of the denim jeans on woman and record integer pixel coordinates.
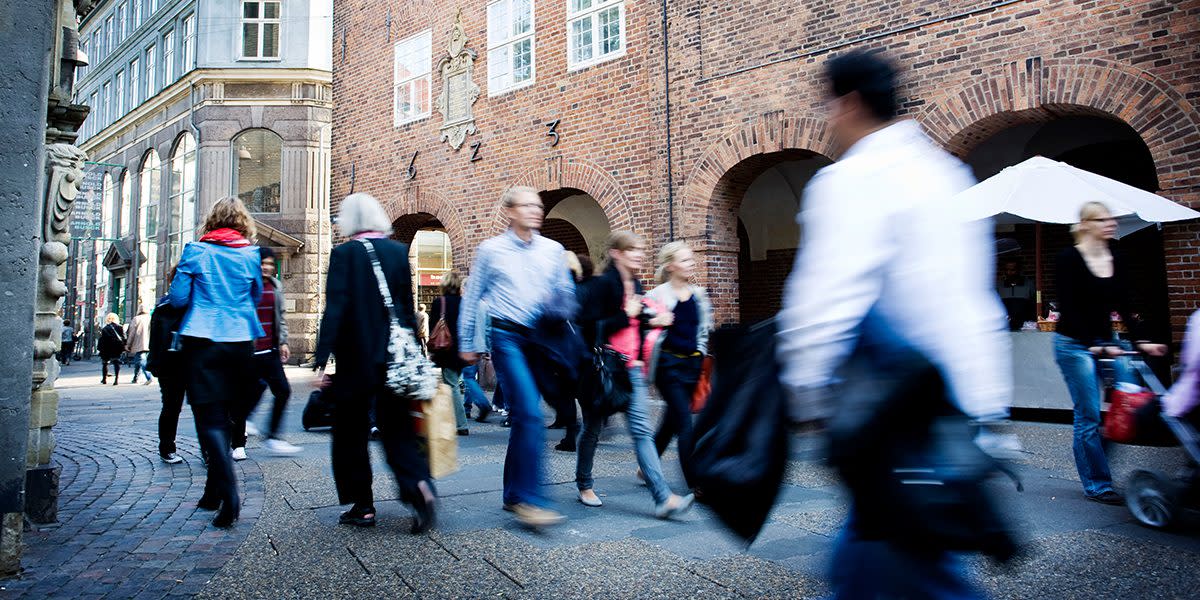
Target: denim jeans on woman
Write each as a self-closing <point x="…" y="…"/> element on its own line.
<point x="637" y="416"/>
<point x="1079" y="369"/>
<point x="526" y="442"/>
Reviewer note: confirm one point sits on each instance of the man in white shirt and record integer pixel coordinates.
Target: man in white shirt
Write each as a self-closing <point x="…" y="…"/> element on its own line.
<point x="877" y="238"/>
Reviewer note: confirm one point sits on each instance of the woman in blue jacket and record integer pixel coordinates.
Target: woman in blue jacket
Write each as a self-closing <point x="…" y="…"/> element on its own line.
<point x="218" y="281"/>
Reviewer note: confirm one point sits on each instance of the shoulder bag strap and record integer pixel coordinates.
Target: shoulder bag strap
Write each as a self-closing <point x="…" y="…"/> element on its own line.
<point x="443" y="311"/>
<point x="380" y="279"/>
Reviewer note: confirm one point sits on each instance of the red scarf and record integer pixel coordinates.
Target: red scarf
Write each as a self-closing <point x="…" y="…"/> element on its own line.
<point x="226" y="237"/>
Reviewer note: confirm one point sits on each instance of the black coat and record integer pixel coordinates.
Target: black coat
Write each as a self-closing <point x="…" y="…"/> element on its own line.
<point x="448" y="359"/>
<point x="164" y="327"/>
<point x="355" y="324"/>
<point x="602" y="304"/>
<point x="112" y="341"/>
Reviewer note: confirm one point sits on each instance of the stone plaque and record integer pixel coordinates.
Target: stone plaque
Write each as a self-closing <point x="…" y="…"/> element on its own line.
<point x="459" y="91"/>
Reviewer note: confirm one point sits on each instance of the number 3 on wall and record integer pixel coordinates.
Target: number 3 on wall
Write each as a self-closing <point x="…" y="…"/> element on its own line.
<point x="553" y="133"/>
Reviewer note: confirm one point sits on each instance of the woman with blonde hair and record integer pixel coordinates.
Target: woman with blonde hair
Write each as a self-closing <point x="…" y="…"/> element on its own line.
<point x="615" y="312"/>
<point x="1093" y="282"/>
<point x="112" y="344"/>
<point x="679" y="354"/>
<point x="218" y="282"/>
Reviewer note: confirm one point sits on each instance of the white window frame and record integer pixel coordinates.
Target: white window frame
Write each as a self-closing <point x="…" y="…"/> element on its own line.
<point x="135" y="82"/>
<point x="107" y="104"/>
<point x="498" y="42"/>
<point x="90" y="124"/>
<point x="109" y="45"/>
<point x="593" y="11"/>
<point x="189" y="42"/>
<point x="168" y="62"/>
<point x="425" y="37"/>
<point x="122" y="23"/>
<point x="137" y="14"/>
<point x="151" y="70"/>
<point x="260" y="22"/>
<point x="119" y="94"/>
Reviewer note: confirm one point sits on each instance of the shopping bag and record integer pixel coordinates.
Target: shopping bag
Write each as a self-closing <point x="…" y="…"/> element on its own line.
<point x="1120" y="420"/>
<point x="441" y="434"/>
<point x="487" y="373"/>
<point x="703" y="386"/>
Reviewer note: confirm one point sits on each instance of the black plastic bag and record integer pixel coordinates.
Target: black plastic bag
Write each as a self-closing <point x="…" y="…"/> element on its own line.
<point x="740" y="449"/>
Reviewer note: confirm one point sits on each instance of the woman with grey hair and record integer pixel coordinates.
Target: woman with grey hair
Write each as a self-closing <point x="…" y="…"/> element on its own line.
<point x="355" y="329"/>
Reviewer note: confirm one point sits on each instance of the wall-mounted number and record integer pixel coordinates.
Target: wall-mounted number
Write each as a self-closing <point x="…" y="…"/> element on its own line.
<point x="475" y="151"/>
<point x="412" y="165"/>
<point x="553" y="133"/>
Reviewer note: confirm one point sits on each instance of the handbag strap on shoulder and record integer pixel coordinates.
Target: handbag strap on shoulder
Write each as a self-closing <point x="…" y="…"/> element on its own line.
<point x="381" y="280"/>
<point x="442" y="300"/>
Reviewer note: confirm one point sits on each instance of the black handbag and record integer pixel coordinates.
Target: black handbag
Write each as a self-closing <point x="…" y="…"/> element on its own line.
<point x="614" y="389"/>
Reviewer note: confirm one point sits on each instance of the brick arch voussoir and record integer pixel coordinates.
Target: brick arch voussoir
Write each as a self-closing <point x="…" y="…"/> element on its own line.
<point x="419" y="200"/>
<point x="559" y="173"/>
<point x="1014" y="93"/>
<point x="773" y="132"/>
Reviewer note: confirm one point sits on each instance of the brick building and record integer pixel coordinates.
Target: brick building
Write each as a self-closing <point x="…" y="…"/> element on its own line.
<point x="573" y="100"/>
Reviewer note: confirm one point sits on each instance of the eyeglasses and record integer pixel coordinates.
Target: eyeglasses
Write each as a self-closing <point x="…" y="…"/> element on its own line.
<point x="537" y="205"/>
<point x="1102" y="219"/>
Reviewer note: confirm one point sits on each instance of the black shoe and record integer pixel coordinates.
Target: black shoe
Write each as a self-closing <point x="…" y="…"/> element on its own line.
<point x="1110" y="497"/>
<point x="484" y="411"/>
<point x="507" y="422"/>
<point x="226" y="518"/>
<point x="424" y="515"/>
<point x="565" y="445"/>
<point x="359" y="516"/>
<point x="464" y="431"/>
<point x="208" y="502"/>
<point x="556" y="425"/>
<point x="104" y="381"/>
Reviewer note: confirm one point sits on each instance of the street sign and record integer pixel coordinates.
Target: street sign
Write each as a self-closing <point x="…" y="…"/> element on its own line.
<point x="87" y="212"/>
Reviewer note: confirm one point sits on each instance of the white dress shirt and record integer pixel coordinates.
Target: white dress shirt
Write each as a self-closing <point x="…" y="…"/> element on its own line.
<point x="876" y="235"/>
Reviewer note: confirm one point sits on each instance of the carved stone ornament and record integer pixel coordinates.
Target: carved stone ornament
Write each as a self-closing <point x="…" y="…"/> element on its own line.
<point x="64" y="165"/>
<point x="459" y="91"/>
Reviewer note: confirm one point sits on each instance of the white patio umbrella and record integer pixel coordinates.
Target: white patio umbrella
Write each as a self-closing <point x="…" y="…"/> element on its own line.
<point x="1040" y="190"/>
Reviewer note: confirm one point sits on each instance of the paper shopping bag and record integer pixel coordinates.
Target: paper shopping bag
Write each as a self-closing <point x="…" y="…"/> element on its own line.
<point x="441" y="434"/>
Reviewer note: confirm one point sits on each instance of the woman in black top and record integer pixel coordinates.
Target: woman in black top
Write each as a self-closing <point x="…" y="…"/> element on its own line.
<point x="446" y="307"/>
<point x="1092" y="284"/>
<point x="112" y="344"/>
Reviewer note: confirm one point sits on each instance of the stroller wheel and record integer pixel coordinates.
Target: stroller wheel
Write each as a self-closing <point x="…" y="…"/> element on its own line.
<point x="1151" y="499"/>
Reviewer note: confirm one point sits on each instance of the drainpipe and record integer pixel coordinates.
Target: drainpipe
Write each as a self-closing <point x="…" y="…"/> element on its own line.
<point x="667" y="90"/>
<point x="195" y="134"/>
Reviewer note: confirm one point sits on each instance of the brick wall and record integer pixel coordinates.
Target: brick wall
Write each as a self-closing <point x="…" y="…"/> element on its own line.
<point x="746" y="82"/>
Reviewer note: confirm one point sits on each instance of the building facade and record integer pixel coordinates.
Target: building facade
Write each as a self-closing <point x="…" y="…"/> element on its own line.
<point x="194" y="100"/>
<point x="703" y="121"/>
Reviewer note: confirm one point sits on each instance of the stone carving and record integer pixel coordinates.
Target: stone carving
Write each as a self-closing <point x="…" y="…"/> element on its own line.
<point x="64" y="166"/>
<point x="459" y="90"/>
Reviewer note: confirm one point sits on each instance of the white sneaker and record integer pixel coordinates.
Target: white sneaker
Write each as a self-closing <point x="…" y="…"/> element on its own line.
<point x="281" y="448"/>
<point x="239" y="454"/>
<point x="252" y="429"/>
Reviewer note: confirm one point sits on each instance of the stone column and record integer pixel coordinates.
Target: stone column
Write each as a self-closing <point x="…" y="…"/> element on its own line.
<point x="25" y="69"/>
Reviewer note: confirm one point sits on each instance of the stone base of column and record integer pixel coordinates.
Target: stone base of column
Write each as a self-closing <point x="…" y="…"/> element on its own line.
<point x="11" y="527"/>
<point x="41" y="494"/>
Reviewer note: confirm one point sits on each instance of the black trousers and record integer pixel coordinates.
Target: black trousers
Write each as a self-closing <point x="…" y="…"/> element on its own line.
<point x="220" y="376"/>
<point x="104" y="362"/>
<point x="269" y="370"/>
<point x="172" y="385"/>
<point x="676" y="379"/>
<point x="351" y="459"/>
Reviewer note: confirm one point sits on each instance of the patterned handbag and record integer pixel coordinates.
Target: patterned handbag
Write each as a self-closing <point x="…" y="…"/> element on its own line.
<point x="409" y="373"/>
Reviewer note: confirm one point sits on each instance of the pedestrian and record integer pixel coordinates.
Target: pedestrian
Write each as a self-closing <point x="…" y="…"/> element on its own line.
<point x="355" y="329"/>
<point x="878" y="236"/>
<point x="1093" y="283"/>
<point x="271" y="352"/>
<point x="566" y="413"/>
<point x="112" y="344"/>
<point x="519" y="275"/>
<point x="219" y="281"/>
<point x="679" y="355"/>
<point x="138" y="343"/>
<point x="445" y="309"/>
<point x="68" y="343"/>
<point x="423" y="328"/>
<point x="615" y="312"/>
<point x="165" y="361"/>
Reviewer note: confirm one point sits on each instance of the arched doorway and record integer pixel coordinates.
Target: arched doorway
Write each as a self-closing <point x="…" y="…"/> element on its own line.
<point x="1096" y="142"/>
<point x="429" y="253"/>
<point x="575" y="220"/>
<point x="760" y="197"/>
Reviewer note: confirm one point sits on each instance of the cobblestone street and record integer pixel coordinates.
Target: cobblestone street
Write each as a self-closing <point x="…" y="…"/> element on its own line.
<point x="129" y="527"/>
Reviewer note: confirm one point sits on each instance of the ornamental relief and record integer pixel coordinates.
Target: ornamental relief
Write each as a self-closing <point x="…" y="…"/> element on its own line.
<point x="459" y="90"/>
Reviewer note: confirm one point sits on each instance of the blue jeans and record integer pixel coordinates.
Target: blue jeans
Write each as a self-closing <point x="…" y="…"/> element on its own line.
<point x="870" y="568"/>
<point x="637" y="416"/>
<point x="474" y="392"/>
<point x="1079" y="370"/>
<point x="526" y="441"/>
<point x="139" y="366"/>
<point x="452" y="378"/>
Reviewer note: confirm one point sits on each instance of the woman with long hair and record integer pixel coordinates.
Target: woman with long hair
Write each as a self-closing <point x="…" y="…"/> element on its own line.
<point x="446" y="307"/>
<point x="679" y="354"/>
<point x="218" y="282"/>
<point x="355" y="329"/>
<point x="614" y="311"/>
<point x="1093" y="283"/>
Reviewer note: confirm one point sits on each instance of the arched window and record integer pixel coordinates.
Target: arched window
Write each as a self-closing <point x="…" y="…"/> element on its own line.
<point x="124" y="214"/>
<point x="151" y="186"/>
<point x="182" y="224"/>
<point x="258" y="169"/>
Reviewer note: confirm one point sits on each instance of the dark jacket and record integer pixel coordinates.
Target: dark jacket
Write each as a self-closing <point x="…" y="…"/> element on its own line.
<point x="448" y="359"/>
<point x="602" y="304"/>
<point x="112" y="341"/>
<point x="1086" y="302"/>
<point x="355" y="324"/>
<point x="165" y="355"/>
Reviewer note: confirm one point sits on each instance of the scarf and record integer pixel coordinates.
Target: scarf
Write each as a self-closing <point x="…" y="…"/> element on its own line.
<point x="226" y="237"/>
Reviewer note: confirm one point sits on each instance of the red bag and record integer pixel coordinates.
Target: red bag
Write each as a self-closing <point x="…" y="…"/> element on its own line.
<point x="703" y="386"/>
<point x="1119" y="421"/>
